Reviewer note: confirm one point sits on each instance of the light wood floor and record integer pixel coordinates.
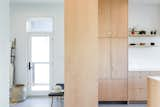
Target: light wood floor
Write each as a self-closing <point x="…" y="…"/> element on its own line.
<point x="45" y="102"/>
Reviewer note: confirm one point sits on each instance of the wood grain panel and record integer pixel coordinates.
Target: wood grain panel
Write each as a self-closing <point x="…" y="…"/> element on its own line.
<point x="119" y="18"/>
<point x="81" y="63"/>
<point x="105" y="18"/>
<point x="153" y="92"/>
<point x="119" y="50"/>
<point x="104" y="58"/>
<point x="137" y="84"/>
<point x="113" y="90"/>
<point x="100" y="87"/>
<point x="119" y="90"/>
<point x="137" y="94"/>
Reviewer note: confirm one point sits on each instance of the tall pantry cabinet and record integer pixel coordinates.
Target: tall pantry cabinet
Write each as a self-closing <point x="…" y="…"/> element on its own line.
<point x="113" y="50"/>
<point x="81" y="30"/>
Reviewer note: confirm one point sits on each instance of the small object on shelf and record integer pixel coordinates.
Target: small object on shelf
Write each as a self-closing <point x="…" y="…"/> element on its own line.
<point x="151" y="32"/>
<point x="133" y="31"/>
<point x="142" y="44"/>
<point x="155" y="32"/>
<point x="142" y="32"/>
<point x="132" y="44"/>
<point x="152" y="44"/>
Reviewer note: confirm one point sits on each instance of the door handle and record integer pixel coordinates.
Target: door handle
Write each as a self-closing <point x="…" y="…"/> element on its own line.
<point x="29" y="66"/>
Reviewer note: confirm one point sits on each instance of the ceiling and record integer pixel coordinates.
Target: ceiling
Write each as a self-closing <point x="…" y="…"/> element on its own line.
<point x="36" y="1"/>
<point x="146" y="1"/>
<point x="61" y="1"/>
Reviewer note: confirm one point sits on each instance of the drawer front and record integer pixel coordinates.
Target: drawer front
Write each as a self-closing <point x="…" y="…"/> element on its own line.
<point x="139" y="94"/>
<point x="137" y="80"/>
<point x="113" y="90"/>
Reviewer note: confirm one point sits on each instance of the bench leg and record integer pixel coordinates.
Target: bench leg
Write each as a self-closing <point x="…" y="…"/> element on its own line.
<point x="52" y="102"/>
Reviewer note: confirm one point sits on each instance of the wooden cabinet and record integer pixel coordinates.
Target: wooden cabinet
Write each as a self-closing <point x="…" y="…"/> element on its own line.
<point x="119" y="16"/>
<point x="153" y="91"/>
<point x="105" y="90"/>
<point x="113" y="69"/>
<point x="113" y="50"/>
<point x="81" y="52"/>
<point x="137" y="94"/>
<point x="137" y="84"/>
<point x="112" y="90"/>
<point x="104" y="58"/>
<point x="100" y="87"/>
<point x="119" y="56"/>
<point x="105" y="18"/>
<point x="137" y="79"/>
<point x="113" y="60"/>
<point x="113" y="18"/>
<point x="119" y="90"/>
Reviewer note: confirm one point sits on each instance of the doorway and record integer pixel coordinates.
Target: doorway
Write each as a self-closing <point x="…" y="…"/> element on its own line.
<point x="39" y="55"/>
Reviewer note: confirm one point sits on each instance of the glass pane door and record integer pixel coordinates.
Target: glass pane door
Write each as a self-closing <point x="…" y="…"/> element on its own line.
<point x="40" y="63"/>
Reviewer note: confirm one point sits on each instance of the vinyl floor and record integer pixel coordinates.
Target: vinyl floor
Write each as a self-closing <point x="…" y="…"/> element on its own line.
<point x="46" y="102"/>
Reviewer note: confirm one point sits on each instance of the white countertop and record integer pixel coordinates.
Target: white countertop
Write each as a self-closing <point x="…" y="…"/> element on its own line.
<point x="155" y="78"/>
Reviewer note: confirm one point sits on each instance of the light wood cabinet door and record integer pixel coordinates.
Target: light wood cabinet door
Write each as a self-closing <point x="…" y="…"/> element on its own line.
<point x="106" y="94"/>
<point x="119" y="58"/>
<point x="137" y="94"/>
<point x="139" y="79"/>
<point x="113" y="90"/>
<point x="113" y="18"/>
<point x="100" y="87"/>
<point x="81" y="53"/>
<point x="137" y="86"/>
<point x="119" y="90"/>
<point x="153" y="92"/>
<point x="105" y="18"/>
<point x="119" y="16"/>
<point x="104" y="58"/>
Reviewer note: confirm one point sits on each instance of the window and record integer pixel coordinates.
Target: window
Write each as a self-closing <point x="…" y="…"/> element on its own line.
<point x="41" y="24"/>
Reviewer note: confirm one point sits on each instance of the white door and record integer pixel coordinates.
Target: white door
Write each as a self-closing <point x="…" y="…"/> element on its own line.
<point x="40" y="33"/>
<point x="39" y="64"/>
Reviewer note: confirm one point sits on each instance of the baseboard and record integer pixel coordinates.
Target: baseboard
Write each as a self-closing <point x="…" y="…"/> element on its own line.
<point x="113" y="102"/>
<point x="137" y="102"/>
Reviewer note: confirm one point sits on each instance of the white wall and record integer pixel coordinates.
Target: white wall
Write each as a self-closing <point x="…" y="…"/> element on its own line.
<point x="19" y="15"/>
<point x="144" y="17"/>
<point x="146" y="58"/>
<point x="4" y="53"/>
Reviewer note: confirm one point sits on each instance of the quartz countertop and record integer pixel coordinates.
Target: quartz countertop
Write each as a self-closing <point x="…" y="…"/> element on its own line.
<point x="155" y="78"/>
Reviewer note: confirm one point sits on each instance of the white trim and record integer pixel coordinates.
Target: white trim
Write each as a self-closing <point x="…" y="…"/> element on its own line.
<point x="30" y="19"/>
<point x="51" y="39"/>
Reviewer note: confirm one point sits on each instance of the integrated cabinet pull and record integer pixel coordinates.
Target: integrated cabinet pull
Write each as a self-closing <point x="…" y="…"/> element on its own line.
<point x="109" y="33"/>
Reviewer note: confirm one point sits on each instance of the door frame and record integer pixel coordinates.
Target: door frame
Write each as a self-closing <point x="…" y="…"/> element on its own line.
<point x="51" y="61"/>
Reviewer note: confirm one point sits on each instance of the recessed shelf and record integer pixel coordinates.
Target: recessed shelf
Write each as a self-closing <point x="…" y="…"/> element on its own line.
<point x="142" y="45"/>
<point x="138" y="46"/>
<point x="143" y="36"/>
